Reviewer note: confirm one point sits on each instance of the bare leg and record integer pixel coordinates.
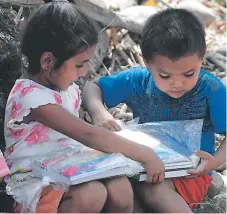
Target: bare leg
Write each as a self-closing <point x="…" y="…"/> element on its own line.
<point x="85" y="198"/>
<point x="119" y="195"/>
<point x="162" y="197"/>
<point x="137" y="207"/>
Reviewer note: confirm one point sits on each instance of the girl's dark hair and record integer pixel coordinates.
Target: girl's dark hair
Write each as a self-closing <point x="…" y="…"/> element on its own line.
<point x="173" y="33"/>
<point x="57" y="27"/>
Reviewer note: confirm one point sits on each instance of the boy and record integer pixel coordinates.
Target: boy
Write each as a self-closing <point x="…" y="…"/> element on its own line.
<point x="172" y="87"/>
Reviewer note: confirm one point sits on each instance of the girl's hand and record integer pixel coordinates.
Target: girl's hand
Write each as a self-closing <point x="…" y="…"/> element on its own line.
<point x="106" y="120"/>
<point x="154" y="167"/>
<point x="208" y="163"/>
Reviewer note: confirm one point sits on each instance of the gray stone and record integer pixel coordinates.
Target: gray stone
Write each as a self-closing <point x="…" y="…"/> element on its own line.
<point x="203" y="13"/>
<point x="10" y="62"/>
<point x="216" y="186"/>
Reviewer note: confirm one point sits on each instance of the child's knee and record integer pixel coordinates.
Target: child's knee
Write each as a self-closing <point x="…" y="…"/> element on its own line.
<point x="90" y="197"/>
<point x="152" y="190"/>
<point x="120" y="192"/>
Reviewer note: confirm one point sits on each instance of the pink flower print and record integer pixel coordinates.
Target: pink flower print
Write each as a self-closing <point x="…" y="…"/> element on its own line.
<point x="17" y="87"/>
<point x="58" y="98"/>
<point x="38" y="135"/>
<point x="73" y="170"/>
<point x="15" y="108"/>
<point x="10" y="149"/>
<point x="28" y="89"/>
<point x="77" y="101"/>
<point x="16" y="134"/>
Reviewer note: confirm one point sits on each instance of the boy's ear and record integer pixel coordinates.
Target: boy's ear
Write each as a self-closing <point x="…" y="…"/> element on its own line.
<point x="145" y="61"/>
<point x="47" y="61"/>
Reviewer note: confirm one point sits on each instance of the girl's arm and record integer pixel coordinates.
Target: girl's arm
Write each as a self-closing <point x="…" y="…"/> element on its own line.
<point x="95" y="137"/>
<point x="98" y="138"/>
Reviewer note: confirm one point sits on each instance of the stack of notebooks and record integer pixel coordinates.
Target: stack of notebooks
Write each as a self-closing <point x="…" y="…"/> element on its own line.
<point x="73" y="167"/>
<point x="176" y="163"/>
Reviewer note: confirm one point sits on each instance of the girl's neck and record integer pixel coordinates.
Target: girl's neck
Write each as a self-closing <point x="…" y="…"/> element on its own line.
<point x="40" y="80"/>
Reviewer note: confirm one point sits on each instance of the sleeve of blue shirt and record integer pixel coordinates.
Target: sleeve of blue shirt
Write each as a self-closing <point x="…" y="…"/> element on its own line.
<point x="121" y="87"/>
<point x="217" y="105"/>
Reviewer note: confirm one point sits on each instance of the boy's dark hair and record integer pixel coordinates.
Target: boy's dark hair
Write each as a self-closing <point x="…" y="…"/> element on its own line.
<point x="57" y="27"/>
<point x="173" y="33"/>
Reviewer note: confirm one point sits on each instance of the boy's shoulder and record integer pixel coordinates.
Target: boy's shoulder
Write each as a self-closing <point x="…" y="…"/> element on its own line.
<point x="209" y="82"/>
<point x="139" y="72"/>
<point x="138" y="76"/>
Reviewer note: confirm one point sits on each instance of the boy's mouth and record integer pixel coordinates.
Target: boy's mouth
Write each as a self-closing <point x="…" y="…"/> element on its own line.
<point x="177" y="91"/>
<point x="177" y="94"/>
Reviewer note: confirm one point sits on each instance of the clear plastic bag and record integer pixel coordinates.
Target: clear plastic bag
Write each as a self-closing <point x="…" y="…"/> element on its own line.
<point x="175" y="142"/>
<point x="183" y="136"/>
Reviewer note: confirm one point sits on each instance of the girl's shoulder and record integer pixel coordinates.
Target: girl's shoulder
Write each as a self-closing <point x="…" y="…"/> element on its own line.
<point x="23" y="87"/>
<point x="28" y="90"/>
<point x="26" y="95"/>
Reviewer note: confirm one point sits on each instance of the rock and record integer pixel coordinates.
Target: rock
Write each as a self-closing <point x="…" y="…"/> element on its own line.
<point x="128" y="16"/>
<point x="216" y="186"/>
<point x="134" y="18"/>
<point x="220" y="201"/>
<point x="10" y="62"/>
<point x="202" y="12"/>
<point x="224" y="81"/>
<point x="108" y="5"/>
<point x="6" y="201"/>
<point x="101" y="50"/>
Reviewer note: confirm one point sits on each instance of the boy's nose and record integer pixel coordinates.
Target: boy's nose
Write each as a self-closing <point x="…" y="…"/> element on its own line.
<point x="178" y="84"/>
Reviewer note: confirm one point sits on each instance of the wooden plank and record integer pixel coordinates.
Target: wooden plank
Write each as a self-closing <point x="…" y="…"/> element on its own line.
<point x="24" y="3"/>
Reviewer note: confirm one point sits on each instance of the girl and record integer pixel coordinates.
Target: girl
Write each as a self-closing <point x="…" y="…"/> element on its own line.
<point x="42" y="116"/>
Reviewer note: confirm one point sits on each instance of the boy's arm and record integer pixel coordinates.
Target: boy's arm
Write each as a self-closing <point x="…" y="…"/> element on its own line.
<point x="93" y="102"/>
<point x="220" y="155"/>
<point x="92" y="98"/>
<point x="217" y="105"/>
<point x="216" y="94"/>
<point x="209" y="162"/>
<point x="111" y="90"/>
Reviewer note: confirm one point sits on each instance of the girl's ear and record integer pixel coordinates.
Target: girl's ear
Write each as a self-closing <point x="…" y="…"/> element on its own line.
<point x="47" y="61"/>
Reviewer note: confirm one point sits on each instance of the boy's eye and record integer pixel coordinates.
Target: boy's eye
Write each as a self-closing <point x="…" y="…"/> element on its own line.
<point x="164" y="76"/>
<point x="79" y="66"/>
<point x="189" y="74"/>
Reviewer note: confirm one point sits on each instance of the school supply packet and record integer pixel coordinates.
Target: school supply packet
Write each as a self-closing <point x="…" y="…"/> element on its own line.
<point x="72" y="167"/>
<point x="175" y="142"/>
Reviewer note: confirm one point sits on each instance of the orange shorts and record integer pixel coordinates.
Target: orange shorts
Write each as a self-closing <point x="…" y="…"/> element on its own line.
<point x="49" y="201"/>
<point x="193" y="190"/>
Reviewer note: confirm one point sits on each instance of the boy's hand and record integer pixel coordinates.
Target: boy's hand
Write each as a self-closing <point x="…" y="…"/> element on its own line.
<point x="208" y="163"/>
<point x="106" y="120"/>
<point x="155" y="168"/>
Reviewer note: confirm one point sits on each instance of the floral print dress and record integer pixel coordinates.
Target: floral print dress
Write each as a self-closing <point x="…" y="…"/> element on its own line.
<point x="24" y="142"/>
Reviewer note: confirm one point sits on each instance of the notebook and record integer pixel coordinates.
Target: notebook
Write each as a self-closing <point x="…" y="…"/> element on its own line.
<point x="176" y="163"/>
<point x="75" y="167"/>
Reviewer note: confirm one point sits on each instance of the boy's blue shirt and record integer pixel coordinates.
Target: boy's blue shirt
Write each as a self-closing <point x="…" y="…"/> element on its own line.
<point x="136" y="88"/>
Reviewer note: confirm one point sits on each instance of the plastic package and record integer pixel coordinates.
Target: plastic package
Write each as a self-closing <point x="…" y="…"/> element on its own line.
<point x="182" y="136"/>
<point x="4" y="169"/>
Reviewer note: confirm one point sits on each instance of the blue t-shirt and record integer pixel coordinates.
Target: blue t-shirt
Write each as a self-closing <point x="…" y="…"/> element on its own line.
<point x="136" y="88"/>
